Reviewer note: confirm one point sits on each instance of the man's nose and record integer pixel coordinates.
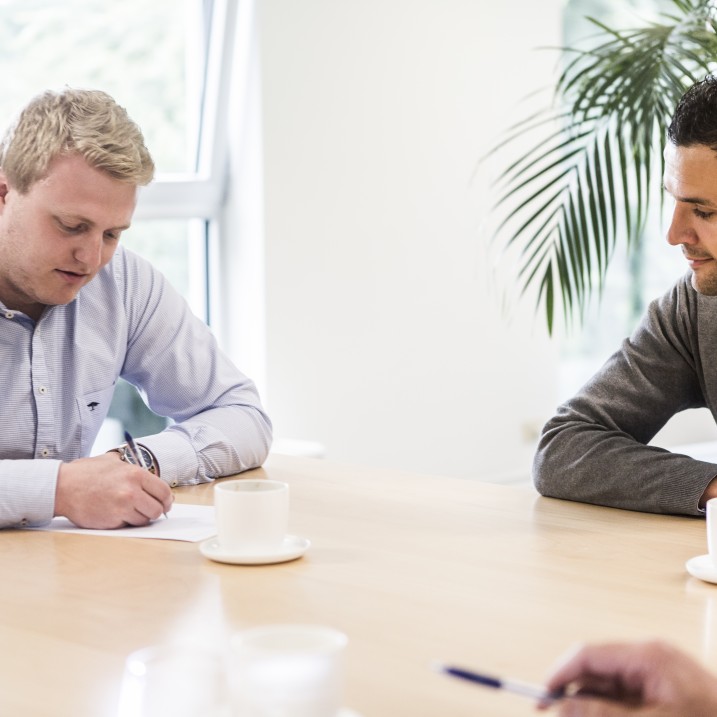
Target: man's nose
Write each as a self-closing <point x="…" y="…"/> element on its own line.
<point x="89" y="250"/>
<point x="681" y="229"/>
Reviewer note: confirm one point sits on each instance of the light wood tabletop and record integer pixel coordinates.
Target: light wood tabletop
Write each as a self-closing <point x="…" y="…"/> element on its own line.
<point x="412" y="568"/>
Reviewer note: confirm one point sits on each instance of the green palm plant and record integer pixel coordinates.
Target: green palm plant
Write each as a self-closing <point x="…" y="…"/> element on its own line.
<point x="597" y="159"/>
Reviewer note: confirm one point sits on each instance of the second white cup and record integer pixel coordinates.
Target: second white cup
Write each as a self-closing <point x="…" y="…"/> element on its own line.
<point x="288" y="671"/>
<point x="711" y="509"/>
<point x="251" y="515"/>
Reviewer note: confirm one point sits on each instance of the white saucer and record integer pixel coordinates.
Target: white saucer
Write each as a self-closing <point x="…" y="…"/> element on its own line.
<point x="292" y="548"/>
<point x="703" y="568"/>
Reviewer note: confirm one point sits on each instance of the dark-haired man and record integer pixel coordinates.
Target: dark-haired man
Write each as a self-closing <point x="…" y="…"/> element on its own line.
<point x="595" y="448"/>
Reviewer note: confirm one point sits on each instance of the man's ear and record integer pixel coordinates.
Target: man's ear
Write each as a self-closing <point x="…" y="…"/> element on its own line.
<point x="4" y="188"/>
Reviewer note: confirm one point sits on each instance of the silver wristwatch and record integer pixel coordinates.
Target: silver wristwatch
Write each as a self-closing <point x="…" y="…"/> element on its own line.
<point x="147" y="457"/>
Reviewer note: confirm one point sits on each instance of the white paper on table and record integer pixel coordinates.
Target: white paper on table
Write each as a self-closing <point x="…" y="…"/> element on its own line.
<point x="184" y="522"/>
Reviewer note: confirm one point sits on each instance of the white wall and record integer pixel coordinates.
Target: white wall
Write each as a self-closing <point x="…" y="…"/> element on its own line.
<point x="385" y="339"/>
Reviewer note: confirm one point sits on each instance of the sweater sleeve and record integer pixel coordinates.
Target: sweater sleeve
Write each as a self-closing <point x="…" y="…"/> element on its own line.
<point x="595" y="449"/>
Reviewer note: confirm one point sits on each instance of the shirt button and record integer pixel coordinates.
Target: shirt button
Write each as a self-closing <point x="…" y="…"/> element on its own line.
<point x="45" y="452"/>
<point x="9" y="315"/>
<point x="174" y="484"/>
<point x="42" y="390"/>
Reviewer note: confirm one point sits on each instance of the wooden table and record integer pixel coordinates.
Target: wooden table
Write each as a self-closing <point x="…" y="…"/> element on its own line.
<point x="413" y="568"/>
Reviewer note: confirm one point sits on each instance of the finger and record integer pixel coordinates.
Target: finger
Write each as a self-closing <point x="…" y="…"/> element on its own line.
<point x="168" y="504"/>
<point x="608" y="661"/>
<point x="148" y="506"/>
<point x="158" y="489"/>
<point x="155" y="486"/>
<point x="583" y="707"/>
<point x="609" y="686"/>
<point x="566" y="669"/>
<point x="136" y="519"/>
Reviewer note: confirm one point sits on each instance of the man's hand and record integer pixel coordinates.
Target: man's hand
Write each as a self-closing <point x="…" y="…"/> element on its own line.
<point x="104" y="492"/>
<point x="710" y="492"/>
<point x="649" y="679"/>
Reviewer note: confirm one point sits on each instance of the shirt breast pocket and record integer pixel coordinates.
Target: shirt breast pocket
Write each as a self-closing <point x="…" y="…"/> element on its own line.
<point x="93" y="409"/>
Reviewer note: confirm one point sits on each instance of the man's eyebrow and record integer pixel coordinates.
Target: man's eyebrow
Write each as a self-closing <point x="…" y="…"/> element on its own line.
<point x="697" y="200"/>
<point x="79" y="219"/>
<point x="691" y="200"/>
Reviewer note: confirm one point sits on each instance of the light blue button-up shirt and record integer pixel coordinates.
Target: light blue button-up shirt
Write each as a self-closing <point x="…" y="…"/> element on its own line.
<point x="58" y="377"/>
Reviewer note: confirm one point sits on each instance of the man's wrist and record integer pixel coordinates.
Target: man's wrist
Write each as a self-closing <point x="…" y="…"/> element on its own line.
<point x="147" y="456"/>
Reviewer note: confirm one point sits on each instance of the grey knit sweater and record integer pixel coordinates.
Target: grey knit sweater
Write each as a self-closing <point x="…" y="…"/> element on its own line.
<point x="594" y="449"/>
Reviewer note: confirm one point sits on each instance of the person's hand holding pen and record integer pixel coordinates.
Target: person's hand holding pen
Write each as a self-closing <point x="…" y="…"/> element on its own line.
<point x="649" y="679"/>
<point x="105" y="492"/>
<point x="138" y="455"/>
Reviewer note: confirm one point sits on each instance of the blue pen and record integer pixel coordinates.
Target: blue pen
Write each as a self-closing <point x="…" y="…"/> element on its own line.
<point x="136" y="453"/>
<point x="519" y="688"/>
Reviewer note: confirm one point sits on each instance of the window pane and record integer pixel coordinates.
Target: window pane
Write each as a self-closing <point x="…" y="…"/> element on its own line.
<point x="150" y="56"/>
<point x="171" y="245"/>
<point x="632" y="280"/>
<point x="147" y="55"/>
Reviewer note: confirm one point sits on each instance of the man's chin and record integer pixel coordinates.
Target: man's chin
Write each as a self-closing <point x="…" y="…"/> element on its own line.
<point x="705" y="285"/>
<point x="59" y="299"/>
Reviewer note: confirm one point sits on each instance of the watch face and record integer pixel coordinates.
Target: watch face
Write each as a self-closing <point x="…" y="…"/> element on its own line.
<point x="146" y="456"/>
<point x="127" y="455"/>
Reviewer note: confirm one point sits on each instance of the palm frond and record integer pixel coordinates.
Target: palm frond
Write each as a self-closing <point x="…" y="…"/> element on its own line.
<point x="588" y="178"/>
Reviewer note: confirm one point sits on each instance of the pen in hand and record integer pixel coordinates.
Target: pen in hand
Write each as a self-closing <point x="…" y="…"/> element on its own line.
<point x="136" y="453"/>
<point x="519" y="688"/>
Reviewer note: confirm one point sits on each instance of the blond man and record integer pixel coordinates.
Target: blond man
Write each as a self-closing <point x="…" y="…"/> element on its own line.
<point x="78" y="311"/>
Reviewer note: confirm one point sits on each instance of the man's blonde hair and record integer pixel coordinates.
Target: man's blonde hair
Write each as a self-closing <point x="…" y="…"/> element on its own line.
<point x="84" y="122"/>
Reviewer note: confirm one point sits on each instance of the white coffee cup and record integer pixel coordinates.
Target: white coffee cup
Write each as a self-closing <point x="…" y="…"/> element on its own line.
<point x="287" y="670"/>
<point x="711" y="509"/>
<point x="252" y="515"/>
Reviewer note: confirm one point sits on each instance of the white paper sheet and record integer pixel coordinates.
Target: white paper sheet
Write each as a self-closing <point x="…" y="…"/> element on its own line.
<point x="184" y="522"/>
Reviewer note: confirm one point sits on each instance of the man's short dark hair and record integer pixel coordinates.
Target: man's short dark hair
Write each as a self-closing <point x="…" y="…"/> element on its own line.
<point x="695" y="117"/>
